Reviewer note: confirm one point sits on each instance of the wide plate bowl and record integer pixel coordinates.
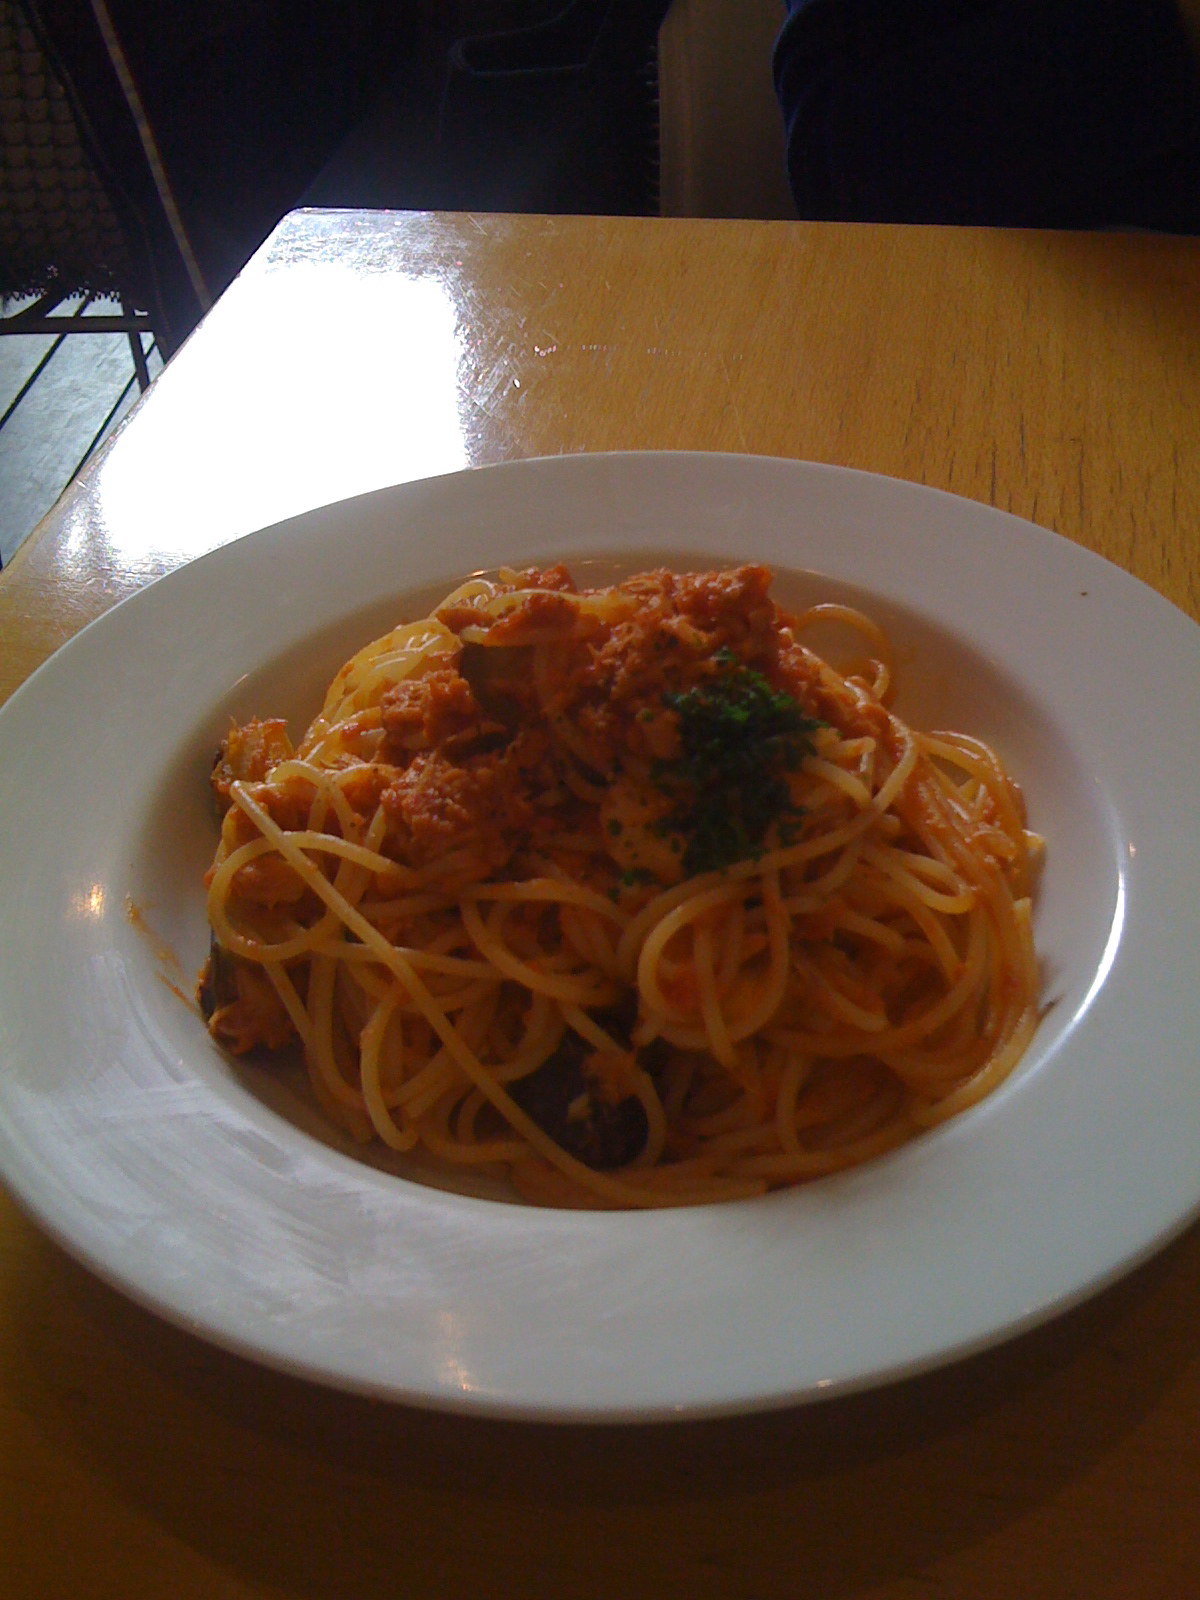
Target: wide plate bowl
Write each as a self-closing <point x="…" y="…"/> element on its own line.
<point x="207" y="1193"/>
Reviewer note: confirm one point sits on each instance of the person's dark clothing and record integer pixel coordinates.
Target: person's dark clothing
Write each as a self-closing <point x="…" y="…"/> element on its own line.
<point x="1053" y="113"/>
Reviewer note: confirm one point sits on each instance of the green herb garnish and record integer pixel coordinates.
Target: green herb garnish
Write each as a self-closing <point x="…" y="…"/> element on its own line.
<point x="740" y="739"/>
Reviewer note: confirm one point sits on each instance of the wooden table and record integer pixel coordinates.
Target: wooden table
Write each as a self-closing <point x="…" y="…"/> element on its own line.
<point x="1058" y="376"/>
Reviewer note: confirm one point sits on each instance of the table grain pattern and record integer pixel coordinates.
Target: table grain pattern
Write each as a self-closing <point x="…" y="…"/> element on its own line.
<point x="1055" y="375"/>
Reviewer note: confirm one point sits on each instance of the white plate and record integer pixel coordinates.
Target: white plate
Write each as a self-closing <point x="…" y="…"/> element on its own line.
<point x="178" y="1178"/>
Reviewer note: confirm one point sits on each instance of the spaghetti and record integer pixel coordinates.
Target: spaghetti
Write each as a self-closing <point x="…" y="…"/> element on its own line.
<point x="624" y="894"/>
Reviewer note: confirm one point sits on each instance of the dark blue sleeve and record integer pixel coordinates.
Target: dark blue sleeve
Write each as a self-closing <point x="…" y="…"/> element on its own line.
<point x="1060" y="113"/>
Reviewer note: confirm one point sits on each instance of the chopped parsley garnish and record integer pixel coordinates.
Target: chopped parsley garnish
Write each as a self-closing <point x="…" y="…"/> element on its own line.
<point x="633" y="876"/>
<point x="740" y="739"/>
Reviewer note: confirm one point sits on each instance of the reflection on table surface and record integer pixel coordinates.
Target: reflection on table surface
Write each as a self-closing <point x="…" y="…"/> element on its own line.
<point x="1054" y="375"/>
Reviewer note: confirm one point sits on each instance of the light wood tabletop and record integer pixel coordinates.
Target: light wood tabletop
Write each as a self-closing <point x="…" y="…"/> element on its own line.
<point x="1054" y="375"/>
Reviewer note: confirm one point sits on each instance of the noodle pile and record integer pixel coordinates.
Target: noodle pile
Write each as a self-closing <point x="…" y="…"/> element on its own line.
<point x="624" y="895"/>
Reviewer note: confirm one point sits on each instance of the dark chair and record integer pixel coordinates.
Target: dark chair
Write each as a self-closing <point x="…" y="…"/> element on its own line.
<point x="199" y="123"/>
<point x="148" y="147"/>
<point x="60" y="236"/>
